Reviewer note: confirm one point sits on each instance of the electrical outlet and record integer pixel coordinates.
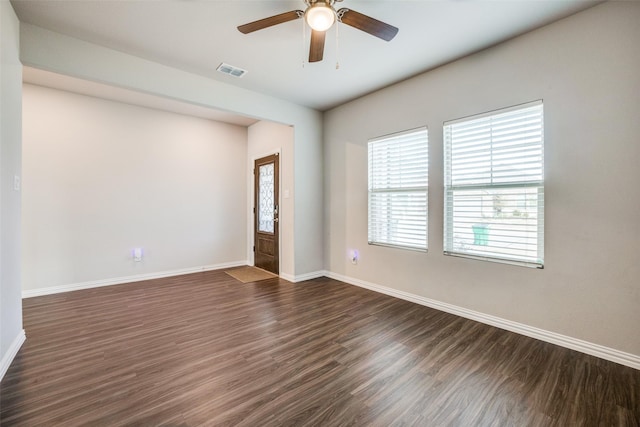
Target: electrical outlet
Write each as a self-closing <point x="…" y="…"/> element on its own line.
<point x="354" y="257"/>
<point x="16" y="183"/>
<point x="137" y="254"/>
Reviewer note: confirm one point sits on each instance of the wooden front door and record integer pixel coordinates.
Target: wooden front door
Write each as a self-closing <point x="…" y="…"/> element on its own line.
<point x="266" y="213"/>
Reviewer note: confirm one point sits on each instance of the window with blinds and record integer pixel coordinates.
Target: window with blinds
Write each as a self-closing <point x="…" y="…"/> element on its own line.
<point x="494" y="186"/>
<point x="398" y="169"/>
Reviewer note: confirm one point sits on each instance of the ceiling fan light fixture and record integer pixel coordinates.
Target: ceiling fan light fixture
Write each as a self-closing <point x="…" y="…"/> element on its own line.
<point x="320" y="16"/>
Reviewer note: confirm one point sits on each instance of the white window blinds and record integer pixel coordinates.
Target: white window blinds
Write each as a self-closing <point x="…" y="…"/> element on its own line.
<point x="494" y="186"/>
<point x="398" y="178"/>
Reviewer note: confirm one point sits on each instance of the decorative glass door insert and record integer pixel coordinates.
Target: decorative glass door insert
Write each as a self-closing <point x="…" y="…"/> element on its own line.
<point x="266" y="207"/>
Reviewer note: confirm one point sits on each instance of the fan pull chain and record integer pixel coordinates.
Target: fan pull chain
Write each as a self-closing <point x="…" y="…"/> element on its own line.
<point x="337" y="45"/>
<point x="304" y="41"/>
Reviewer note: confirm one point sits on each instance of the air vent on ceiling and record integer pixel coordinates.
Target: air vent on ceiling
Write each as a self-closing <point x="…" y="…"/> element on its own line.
<point x="231" y="70"/>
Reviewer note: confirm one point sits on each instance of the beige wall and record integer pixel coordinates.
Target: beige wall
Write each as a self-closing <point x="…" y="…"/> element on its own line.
<point x="586" y="69"/>
<point x="11" y="334"/>
<point x="101" y="178"/>
<point x="47" y="50"/>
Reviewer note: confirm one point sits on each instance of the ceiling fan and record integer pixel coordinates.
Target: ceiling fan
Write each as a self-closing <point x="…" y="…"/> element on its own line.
<point x="320" y="16"/>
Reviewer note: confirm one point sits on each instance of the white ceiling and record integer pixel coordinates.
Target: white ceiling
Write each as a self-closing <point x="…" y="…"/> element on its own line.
<point x="197" y="35"/>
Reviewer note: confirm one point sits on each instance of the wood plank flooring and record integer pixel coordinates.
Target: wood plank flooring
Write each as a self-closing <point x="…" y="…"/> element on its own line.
<point x="206" y="350"/>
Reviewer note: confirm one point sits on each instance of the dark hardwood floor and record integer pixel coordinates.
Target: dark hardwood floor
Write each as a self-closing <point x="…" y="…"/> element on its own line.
<point x="205" y="349"/>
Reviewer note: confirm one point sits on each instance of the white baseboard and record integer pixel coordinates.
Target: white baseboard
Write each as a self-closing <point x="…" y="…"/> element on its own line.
<point x="303" y="277"/>
<point x="8" y="357"/>
<point x="290" y="277"/>
<point x="28" y="293"/>
<point x="592" y="349"/>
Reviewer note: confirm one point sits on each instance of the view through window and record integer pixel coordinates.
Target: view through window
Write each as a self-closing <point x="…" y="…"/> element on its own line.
<point x="494" y="186"/>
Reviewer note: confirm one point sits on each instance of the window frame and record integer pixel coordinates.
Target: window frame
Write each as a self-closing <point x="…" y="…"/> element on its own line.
<point x="449" y="188"/>
<point x="372" y="232"/>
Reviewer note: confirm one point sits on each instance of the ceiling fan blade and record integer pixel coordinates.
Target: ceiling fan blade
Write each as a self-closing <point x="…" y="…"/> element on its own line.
<point x="270" y="21"/>
<point x="316" y="51"/>
<point x="367" y="24"/>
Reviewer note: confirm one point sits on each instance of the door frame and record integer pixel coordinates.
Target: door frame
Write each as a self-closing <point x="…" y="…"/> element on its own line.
<point x="251" y="232"/>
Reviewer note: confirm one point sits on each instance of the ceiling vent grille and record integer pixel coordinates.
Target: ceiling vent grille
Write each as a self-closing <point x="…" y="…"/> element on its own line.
<point x="231" y="70"/>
